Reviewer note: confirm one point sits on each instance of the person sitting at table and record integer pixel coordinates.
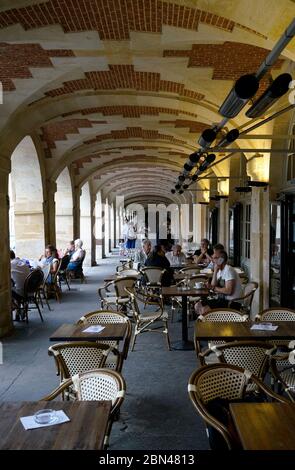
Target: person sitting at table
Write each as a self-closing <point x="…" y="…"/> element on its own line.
<point x="19" y="272"/>
<point x="204" y="254"/>
<point x="77" y="257"/>
<point x="70" y="249"/>
<point x="141" y="255"/>
<point x="217" y="247"/>
<point x="50" y="257"/>
<point x="176" y="257"/>
<point x="158" y="259"/>
<point x="225" y="283"/>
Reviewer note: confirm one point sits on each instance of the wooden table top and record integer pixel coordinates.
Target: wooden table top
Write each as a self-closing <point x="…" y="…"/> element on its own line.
<point x="241" y="330"/>
<point x="85" y="431"/>
<point x="174" y="291"/>
<point x="265" y="426"/>
<point x="73" y="332"/>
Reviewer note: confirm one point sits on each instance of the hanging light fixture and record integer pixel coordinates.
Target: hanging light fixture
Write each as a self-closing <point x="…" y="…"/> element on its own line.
<point x="278" y="88"/>
<point x="244" y="88"/>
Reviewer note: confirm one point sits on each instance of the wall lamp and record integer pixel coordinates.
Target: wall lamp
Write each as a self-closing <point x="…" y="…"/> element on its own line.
<point x="278" y="88"/>
<point x="243" y="189"/>
<point x="257" y="184"/>
<point x="244" y="88"/>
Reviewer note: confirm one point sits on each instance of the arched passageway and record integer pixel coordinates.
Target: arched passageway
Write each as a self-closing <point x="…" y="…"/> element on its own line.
<point x="85" y="221"/>
<point x="63" y="209"/>
<point x="26" y="201"/>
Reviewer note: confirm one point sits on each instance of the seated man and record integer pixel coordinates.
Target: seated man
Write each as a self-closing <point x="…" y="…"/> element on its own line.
<point x="176" y="257"/>
<point x="217" y="247"/>
<point x="76" y="260"/>
<point x="225" y="283"/>
<point x="141" y="256"/>
<point x="204" y="254"/>
<point x="158" y="259"/>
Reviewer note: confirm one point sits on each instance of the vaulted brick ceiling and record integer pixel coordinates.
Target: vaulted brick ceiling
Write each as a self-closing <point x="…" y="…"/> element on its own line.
<point x="125" y="87"/>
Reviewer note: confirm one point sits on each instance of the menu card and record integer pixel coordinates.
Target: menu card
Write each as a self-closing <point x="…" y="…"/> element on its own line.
<point x="29" y="422"/>
<point x="94" y="329"/>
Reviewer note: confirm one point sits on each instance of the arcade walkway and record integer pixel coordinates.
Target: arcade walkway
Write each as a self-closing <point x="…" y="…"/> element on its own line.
<point x="156" y="414"/>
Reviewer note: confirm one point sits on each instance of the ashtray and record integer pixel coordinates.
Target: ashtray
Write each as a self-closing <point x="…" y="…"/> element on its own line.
<point x="46" y="416"/>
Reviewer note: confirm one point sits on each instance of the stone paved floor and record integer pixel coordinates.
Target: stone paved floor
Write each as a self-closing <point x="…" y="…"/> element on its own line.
<point x="157" y="413"/>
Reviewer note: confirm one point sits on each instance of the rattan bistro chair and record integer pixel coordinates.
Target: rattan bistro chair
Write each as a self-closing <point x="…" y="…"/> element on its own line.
<point x="282" y="367"/>
<point x="217" y="315"/>
<point x="211" y="390"/>
<point x="76" y="357"/>
<point x="150" y="321"/>
<point x="246" y="300"/>
<point x="251" y="355"/>
<point x="276" y="314"/>
<point x="31" y="297"/>
<point x="118" y="297"/>
<point x="96" y="385"/>
<point x="104" y="317"/>
<point x="153" y="277"/>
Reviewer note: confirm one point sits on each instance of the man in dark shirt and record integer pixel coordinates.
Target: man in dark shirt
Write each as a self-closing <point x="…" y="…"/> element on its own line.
<point x="158" y="259"/>
<point x="204" y="254"/>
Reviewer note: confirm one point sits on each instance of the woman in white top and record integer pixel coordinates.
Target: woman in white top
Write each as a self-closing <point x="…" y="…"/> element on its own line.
<point x="77" y="257"/>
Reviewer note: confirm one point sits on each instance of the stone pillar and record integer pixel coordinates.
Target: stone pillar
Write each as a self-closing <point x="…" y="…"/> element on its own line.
<point x="93" y="224"/>
<point x="49" y="212"/>
<point x="6" y="325"/>
<point x="103" y="220"/>
<point x="114" y="225"/>
<point x="200" y="222"/>
<point x="259" y="266"/>
<point x="223" y="223"/>
<point x="76" y="211"/>
<point x="110" y="228"/>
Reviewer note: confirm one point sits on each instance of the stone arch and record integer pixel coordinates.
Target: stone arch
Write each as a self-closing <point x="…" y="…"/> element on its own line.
<point x="63" y="209"/>
<point x="26" y="201"/>
<point x="85" y="221"/>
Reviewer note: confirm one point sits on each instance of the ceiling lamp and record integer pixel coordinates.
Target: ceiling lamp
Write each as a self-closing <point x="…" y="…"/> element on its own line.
<point x="207" y="137"/>
<point x="230" y="137"/>
<point x="244" y="88"/>
<point x="278" y="88"/>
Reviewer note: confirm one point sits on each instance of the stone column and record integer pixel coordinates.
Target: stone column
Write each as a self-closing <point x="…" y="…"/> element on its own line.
<point x="49" y="212"/>
<point x="200" y="222"/>
<point x="6" y="325"/>
<point x="93" y="229"/>
<point x="259" y="265"/>
<point x="76" y="211"/>
<point x="103" y="217"/>
<point x="223" y="223"/>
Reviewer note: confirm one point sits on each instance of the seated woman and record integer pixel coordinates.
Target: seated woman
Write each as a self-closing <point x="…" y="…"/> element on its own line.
<point x="76" y="260"/>
<point x="50" y="257"/>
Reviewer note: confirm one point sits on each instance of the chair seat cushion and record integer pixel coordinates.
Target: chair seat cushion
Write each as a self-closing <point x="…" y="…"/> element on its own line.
<point x="144" y="318"/>
<point x="113" y="299"/>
